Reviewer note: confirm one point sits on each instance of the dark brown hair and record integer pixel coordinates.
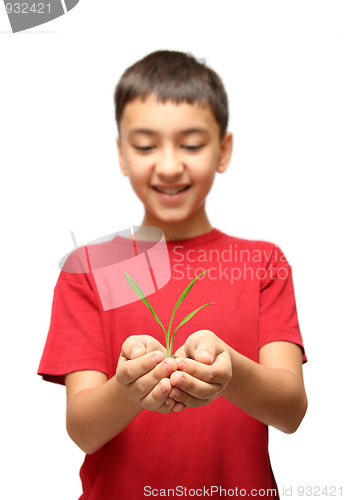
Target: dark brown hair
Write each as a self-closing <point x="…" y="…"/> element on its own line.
<point x="173" y="76"/>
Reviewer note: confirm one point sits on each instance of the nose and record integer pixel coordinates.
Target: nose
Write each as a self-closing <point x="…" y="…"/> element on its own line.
<point x="169" y="164"/>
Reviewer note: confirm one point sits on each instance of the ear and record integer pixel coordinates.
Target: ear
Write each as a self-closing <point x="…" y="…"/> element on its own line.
<point x="226" y="148"/>
<point x="121" y="157"/>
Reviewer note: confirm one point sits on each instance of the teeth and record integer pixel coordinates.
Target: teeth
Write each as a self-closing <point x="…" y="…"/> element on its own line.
<point x="171" y="191"/>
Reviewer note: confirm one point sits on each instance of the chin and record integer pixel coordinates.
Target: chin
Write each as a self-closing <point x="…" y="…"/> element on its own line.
<point x="168" y="219"/>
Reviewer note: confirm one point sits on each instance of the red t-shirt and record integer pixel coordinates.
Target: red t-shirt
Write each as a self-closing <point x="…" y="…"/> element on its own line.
<point x="200" y="450"/>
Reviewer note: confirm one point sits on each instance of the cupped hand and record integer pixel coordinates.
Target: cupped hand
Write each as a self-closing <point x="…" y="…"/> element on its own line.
<point x="144" y="373"/>
<point x="204" y="369"/>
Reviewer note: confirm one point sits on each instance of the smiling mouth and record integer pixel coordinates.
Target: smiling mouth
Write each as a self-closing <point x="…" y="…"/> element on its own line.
<point x="171" y="191"/>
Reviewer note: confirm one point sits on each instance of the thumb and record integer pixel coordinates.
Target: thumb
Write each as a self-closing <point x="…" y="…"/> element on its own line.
<point x="137" y="351"/>
<point x="138" y="345"/>
<point x="202" y="346"/>
<point x="203" y="355"/>
<point x="133" y="347"/>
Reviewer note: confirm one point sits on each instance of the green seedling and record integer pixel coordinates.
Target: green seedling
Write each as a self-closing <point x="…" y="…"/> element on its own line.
<point x="169" y="337"/>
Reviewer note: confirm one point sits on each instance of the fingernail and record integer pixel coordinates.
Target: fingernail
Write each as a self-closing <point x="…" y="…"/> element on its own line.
<point x="136" y="351"/>
<point x="162" y="388"/>
<point x="167" y="368"/>
<point x="178" y="407"/>
<point x="206" y="355"/>
<point x="181" y="365"/>
<point x="174" y="393"/>
<point x="156" y="358"/>
<point x="181" y="381"/>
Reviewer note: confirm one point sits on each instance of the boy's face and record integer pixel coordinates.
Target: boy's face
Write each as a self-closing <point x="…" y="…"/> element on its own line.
<point x="166" y="145"/>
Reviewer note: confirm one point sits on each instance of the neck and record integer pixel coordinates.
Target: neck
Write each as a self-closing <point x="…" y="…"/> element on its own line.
<point x="195" y="225"/>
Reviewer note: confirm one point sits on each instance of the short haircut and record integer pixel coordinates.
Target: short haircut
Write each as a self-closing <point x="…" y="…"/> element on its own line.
<point x="173" y="76"/>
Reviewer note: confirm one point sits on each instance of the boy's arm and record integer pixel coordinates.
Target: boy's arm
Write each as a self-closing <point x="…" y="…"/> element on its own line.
<point x="98" y="409"/>
<point x="271" y="391"/>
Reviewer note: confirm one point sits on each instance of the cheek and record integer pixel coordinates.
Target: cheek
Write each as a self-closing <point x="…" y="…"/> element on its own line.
<point x="137" y="168"/>
<point x="203" y="168"/>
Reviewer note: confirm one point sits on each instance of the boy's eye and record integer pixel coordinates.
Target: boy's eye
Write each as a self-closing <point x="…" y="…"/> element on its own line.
<point x="144" y="148"/>
<point x="186" y="147"/>
<point x="193" y="148"/>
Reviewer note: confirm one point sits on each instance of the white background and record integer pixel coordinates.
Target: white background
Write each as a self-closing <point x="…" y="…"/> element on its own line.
<point x="283" y="64"/>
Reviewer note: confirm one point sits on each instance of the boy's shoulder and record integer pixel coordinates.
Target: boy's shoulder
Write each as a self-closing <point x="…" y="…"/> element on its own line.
<point x="242" y="248"/>
<point x="97" y="254"/>
<point x="245" y="243"/>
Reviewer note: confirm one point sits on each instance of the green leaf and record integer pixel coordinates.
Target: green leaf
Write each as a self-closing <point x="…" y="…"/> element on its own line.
<point x="141" y="295"/>
<point x="187" y="289"/>
<point x="187" y="318"/>
<point x="182" y="297"/>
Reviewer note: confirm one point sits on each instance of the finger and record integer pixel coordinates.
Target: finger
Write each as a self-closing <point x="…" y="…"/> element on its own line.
<point x="137" y="345"/>
<point x="143" y="381"/>
<point x="203" y="346"/>
<point x="155" y="386"/>
<point x="162" y="370"/>
<point x="167" y="406"/>
<point x="130" y="370"/>
<point x="156" y="398"/>
<point x="178" y="407"/>
<point x="213" y="373"/>
<point x="193" y="387"/>
<point x="184" y="400"/>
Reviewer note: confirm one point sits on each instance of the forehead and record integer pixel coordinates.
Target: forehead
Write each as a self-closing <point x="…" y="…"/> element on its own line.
<point x="168" y="117"/>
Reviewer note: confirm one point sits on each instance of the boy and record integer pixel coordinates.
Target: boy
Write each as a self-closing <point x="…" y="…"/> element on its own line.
<point x="196" y="424"/>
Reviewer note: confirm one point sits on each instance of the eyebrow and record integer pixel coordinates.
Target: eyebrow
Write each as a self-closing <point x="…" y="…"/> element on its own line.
<point x="195" y="130"/>
<point x="147" y="131"/>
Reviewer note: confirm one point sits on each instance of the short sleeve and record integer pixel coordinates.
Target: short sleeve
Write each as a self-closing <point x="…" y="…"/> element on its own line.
<point x="278" y="320"/>
<point x="75" y="337"/>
